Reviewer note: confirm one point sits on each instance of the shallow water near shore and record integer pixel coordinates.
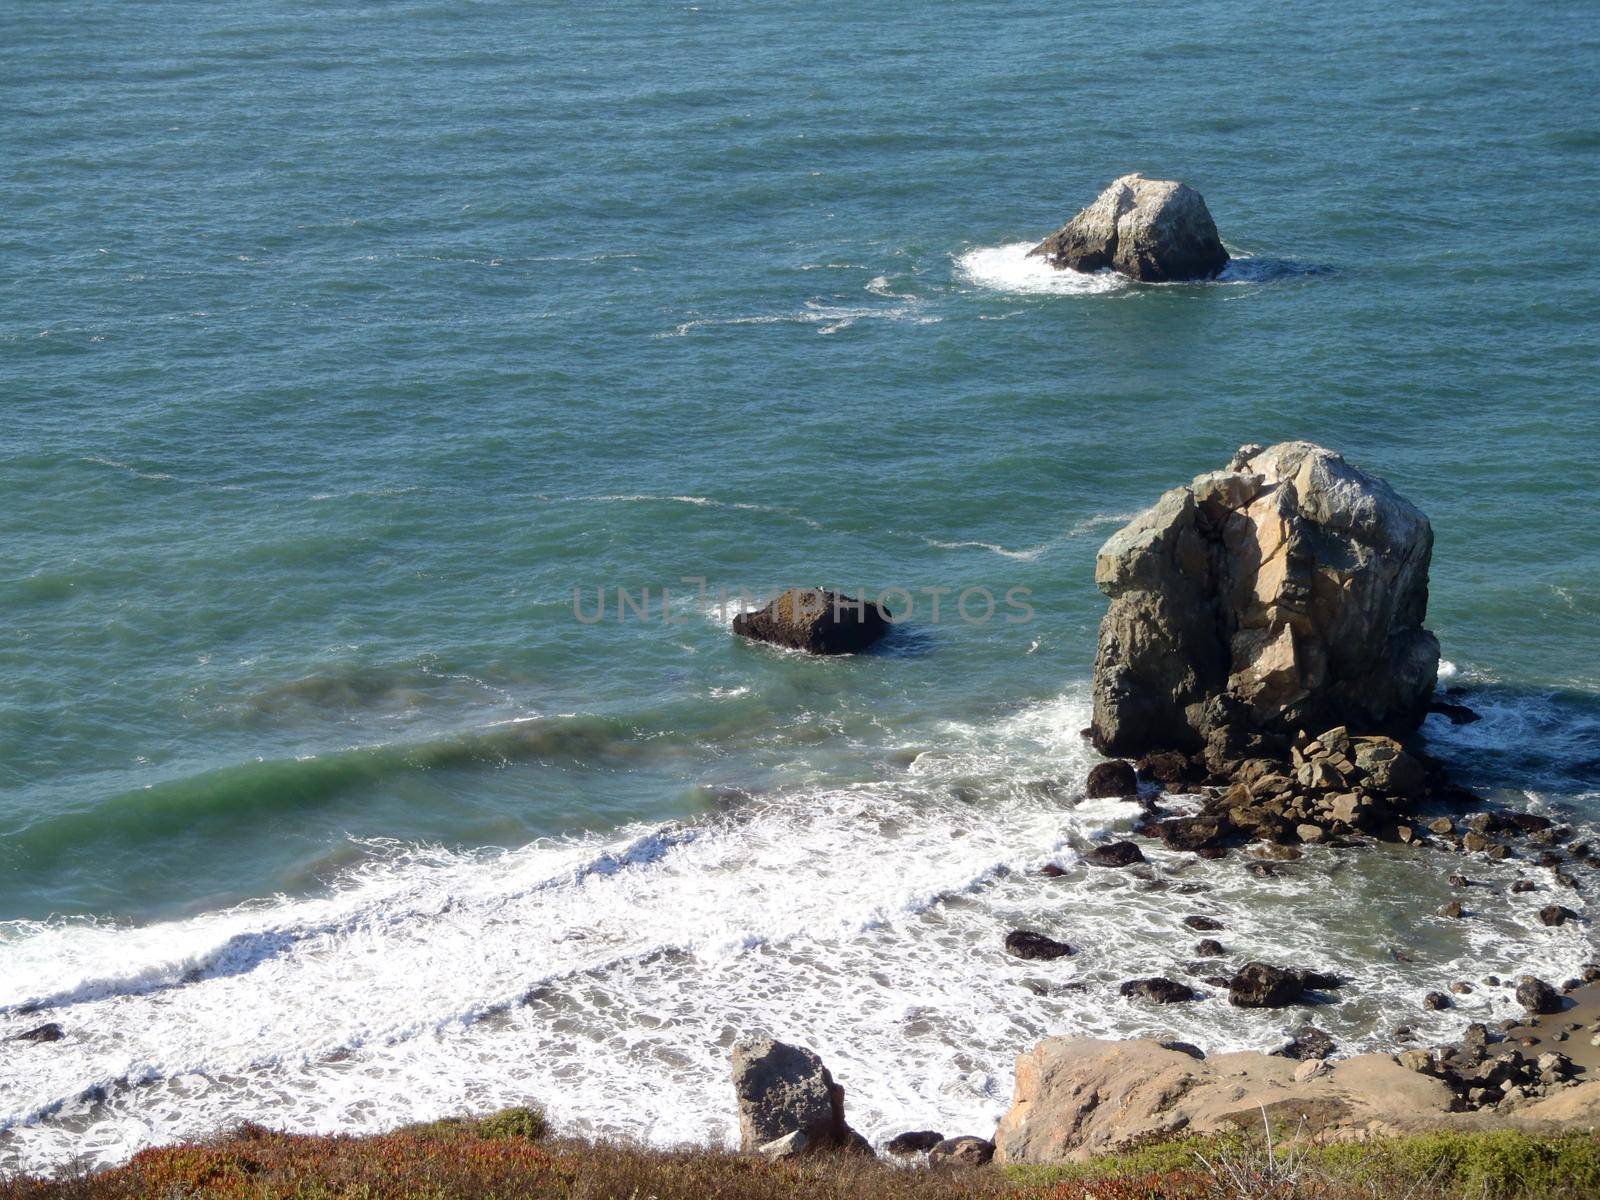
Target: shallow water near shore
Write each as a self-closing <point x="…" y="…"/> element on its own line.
<point x="340" y="350"/>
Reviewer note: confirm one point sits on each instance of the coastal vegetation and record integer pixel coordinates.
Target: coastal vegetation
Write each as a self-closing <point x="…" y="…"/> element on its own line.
<point x="510" y="1155"/>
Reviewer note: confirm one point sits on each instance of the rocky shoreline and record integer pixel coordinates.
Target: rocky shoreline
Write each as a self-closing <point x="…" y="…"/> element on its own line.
<point x="1261" y="669"/>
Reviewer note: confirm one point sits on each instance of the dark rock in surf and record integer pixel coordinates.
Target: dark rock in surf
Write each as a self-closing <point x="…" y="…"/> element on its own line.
<point x="1202" y="924"/>
<point x="1209" y="948"/>
<point x="1308" y="1043"/>
<point x="1435" y="1002"/>
<point x="1158" y="990"/>
<point x="918" y="1141"/>
<point x="1173" y="770"/>
<point x="1112" y="779"/>
<point x="816" y="621"/>
<point x="1114" y="854"/>
<point x="1025" y="943"/>
<point x="1153" y="230"/>
<point x="1556" y="914"/>
<point x="42" y="1033"/>
<point x="1262" y="985"/>
<point x="1537" y="996"/>
<point x="1456" y="714"/>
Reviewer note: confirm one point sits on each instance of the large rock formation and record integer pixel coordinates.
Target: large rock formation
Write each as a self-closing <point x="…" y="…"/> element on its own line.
<point x="783" y="1091"/>
<point x="1283" y="594"/>
<point x="816" y="621"/>
<point x="1154" y="230"/>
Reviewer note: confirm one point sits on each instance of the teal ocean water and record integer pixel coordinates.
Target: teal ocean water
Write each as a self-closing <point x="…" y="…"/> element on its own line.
<point x="339" y="347"/>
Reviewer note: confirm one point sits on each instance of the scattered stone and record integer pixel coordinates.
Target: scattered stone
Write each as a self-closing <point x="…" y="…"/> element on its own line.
<point x="1435" y="1001"/>
<point x="1114" y="854"/>
<point x="918" y="1141"/>
<point x="1209" y="948"/>
<point x="1204" y="924"/>
<point x="1025" y="943"/>
<point x="1461" y="988"/>
<point x="1537" y="996"/>
<point x="1153" y="230"/>
<point x="1188" y="1048"/>
<point x="965" y="1151"/>
<point x="1460" y="881"/>
<point x="1522" y="885"/>
<point x="1052" y="871"/>
<point x="1310" y="1069"/>
<point x="816" y="621"/>
<point x="1158" y="990"/>
<point x="1190" y="833"/>
<point x="1556" y="914"/>
<point x="1453" y="909"/>
<point x="1441" y="825"/>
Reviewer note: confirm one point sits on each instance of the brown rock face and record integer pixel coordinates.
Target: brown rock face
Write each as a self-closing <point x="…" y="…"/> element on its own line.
<point x="1284" y="593"/>
<point x="1079" y="1096"/>
<point x="1154" y="230"/>
<point x="816" y="621"/>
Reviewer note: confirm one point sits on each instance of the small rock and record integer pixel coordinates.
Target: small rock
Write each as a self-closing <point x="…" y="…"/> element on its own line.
<point x="1308" y="1042"/>
<point x="1309" y="1070"/>
<point x="918" y="1141"/>
<point x="43" y="1033"/>
<point x="1114" y="854"/>
<point x="1188" y="1048"/>
<point x="1261" y="985"/>
<point x="1112" y="779"/>
<point x="1159" y="990"/>
<point x="1025" y="943"/>
<point x="1461" y="988"/>
<point x="1435" y="1001"/>
<point x="1204" y="924"/>
<point x="961" y="1152"/>
<point x="1416" y="1060"/>
<point x="790" y="1145"/>
<point x="1441" y="825"/>
<point x="1052" y="871"/>
<point x="1522" y="885"/>
<point x="1209" y="948"/>
<point x="1453" y="909"/>
<point x="816" y="621"/>
<point x="1556" y="914"/>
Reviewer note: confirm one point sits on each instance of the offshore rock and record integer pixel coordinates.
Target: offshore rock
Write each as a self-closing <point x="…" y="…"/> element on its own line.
<point x="1153" y="230"/>
<point x="1282" y="594"/>
<point x="816" y="621"/>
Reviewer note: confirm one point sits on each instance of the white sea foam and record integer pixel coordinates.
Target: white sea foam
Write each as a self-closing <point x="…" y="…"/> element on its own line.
<point x="1027" y="554"/>
<point x="1009" y="269"/>
<point x="608" y="976"/>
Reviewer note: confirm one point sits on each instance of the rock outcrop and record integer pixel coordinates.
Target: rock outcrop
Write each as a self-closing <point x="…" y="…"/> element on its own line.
<point x="1153" y="230"/>
<point x="1283" y="594"/>
<point x="1080" y="1096"/>
<point x="816" y="621"/>
<point x="784" y="1091"/>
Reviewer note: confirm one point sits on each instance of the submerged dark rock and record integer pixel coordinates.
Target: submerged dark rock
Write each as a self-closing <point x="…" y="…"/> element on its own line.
<point x="816" y="621"/>
<point x="42" y="1033"/>
<point x="1114" y="854"/>
<point x="1025" y="943"/>
<point x="918" y="1141"/>
<point x="1158" y="990"/>
<point x="1112" y="779"/>
<point x="1262" y="985"/>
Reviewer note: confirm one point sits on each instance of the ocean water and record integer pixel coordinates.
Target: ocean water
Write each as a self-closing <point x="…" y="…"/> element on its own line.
<point x="339" y="347"/>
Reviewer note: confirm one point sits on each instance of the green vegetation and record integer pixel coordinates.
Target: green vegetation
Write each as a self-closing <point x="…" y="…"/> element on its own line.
<point x="508" y="1156"/>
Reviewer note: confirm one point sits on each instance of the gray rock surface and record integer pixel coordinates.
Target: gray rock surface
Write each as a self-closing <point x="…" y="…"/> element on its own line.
<point x="1154" y="230"/>
<point x="1284" y="593"/>
<point x="784" y="1090"/>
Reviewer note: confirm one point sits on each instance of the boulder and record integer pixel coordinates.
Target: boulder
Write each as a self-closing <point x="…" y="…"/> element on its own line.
<point x="1537" y="996"/>
<point x="1556" y="914"/>
<point x="1203" y="924"/>
<point x="816" y="621"/>
<point x="1153" y="230"/>
<point x="1076" y="1097"/>
<point x="964" y="1151"/>
<point x="1025" y="943"/>
<point x="1308" y="1044"/>
<point x="1209" y="948"/>
<point x="41" y="1033"/>
<point x="1114" y="854"/>
<point x="1261" y="985"/>
<point x="918" y="1141"/>
<point x="1286" y="592"/>
<point x="784" y="1090"/>
<point x="1158" y="990"/>
<point x="1112" y="779"/>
